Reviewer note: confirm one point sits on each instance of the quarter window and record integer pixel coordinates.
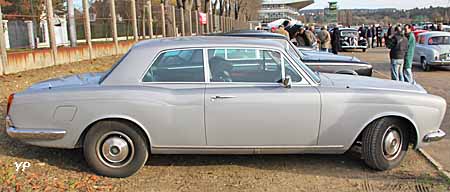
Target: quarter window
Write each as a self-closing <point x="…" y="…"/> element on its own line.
<point x="244" y="65"/>
<point x="177" y="66"/>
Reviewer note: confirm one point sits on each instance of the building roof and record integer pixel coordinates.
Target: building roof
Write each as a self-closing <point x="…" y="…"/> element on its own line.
<point x="293" y="3"/>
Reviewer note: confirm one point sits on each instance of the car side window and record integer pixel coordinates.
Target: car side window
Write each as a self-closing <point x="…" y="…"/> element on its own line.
<point x="289" y="70"/>
<point x="422" y="39"/>
<point x="177" y="66"/>
<point x="244" y="65"/>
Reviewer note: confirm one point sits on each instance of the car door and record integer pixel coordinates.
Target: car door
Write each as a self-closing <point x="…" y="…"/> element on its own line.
<point x="246" y="105"/>
<point x="174" y="111"/>
<point x="418" y="51"/>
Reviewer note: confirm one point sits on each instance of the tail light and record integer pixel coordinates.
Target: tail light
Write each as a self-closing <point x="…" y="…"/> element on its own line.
<point x="10" y="100"/>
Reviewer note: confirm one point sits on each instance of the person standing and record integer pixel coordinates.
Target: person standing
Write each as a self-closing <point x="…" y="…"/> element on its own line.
<point x="325" y="39"/>
<point x="300" y="37"/>
<point x="398" y="44"/>
<point x="282" y="31"/>
<point x="310" y="39"/>
<point x="407" y="69"/>
<point x="374" y="36"/>
<point x="369" y="37"/>
<point x="335" y="41"/>
<point x="379" y="36"/>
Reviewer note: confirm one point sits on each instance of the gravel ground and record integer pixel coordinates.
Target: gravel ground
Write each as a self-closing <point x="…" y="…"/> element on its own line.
<point x="66" y="170"/>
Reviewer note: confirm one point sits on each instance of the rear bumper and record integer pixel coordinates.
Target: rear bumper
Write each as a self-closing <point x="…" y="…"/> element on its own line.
<point x="434" y="136"/>
<point x="33" y="134"/>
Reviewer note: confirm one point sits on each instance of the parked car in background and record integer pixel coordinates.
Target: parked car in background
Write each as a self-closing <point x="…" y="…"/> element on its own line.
<point x="432" y="49"/>
<point x="316" y="60"/>
<point x="222" y="95"/>
<point x="350" y="39"/>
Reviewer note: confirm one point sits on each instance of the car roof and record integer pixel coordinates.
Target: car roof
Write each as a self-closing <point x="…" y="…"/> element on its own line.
<point x="435" y="33"/>
<point x="252" y="33"/>
<point x="207" y="41"/>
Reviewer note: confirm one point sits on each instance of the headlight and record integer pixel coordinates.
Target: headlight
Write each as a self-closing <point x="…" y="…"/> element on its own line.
<point x="361" y="38"/>
<point x="346" y="38"/>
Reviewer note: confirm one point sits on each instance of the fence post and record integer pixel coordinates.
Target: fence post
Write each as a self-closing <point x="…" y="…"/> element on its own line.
<point x="163" y="18"/>
<point x="183" y="32"/>
<point x="134" y="20"/>
<point x="196" y="22"/>
<point x="114" y="25"/>
<point x="87" y="28"/>
<point x="174" y="22"/>
<point x="4" y="56"/>
<point x="190" y="22"/>
<point x="72" y="26"/>
<point x="51" y="30"/>
<point x="150" y="18"/>
<point x="144" y="32"/>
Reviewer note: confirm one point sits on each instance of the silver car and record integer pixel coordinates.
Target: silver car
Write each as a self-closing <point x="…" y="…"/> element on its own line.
<point x="432" y="49"/>
<point x="222" y="95"/>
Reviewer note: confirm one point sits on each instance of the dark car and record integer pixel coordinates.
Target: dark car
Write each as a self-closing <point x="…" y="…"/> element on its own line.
<point x="350" y="39"/>
<point x="316" y="60"/>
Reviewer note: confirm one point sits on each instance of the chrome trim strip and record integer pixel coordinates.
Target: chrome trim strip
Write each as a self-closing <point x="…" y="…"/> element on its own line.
<point x="434" y="136"/>
<point x="249" y="147"/>
<point x="40" y="134"/>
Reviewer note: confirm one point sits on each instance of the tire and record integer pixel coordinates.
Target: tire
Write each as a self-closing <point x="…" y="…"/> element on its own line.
<point x="425" y="66"/>
<point x="115" y="149"/>
<point x="364" y="50"/>
<point x="374" y="139"/>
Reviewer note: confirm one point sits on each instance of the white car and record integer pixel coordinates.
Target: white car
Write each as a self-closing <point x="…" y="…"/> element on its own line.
<point x="432" y="49"/>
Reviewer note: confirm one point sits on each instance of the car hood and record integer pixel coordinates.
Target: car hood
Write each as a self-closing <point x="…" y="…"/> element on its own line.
<point x="363" y="82"/>
<point x="315" y="56"/>
<point x="69" y="81"/>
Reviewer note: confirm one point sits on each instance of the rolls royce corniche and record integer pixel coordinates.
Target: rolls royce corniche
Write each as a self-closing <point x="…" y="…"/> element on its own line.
<point x="432" y="49"/>
<point x="316" y="60"/>
<point x="222" y="95"/>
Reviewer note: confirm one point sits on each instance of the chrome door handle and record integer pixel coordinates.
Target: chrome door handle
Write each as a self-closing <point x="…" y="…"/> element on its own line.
<point x="222" y="97"/>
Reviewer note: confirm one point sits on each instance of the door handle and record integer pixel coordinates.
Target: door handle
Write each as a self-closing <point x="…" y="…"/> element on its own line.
<point x="222" y="97"/>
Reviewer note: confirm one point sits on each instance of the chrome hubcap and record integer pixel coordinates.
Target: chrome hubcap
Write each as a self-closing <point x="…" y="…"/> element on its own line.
<point x="115" y="149"/>
<point x="392" y="143"/>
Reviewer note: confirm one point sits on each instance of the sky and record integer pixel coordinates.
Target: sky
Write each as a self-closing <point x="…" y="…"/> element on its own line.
<point x="374" y="4"/>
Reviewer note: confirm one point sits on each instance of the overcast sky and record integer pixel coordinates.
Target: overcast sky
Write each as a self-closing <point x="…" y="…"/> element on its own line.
<point x="373" y="4"/>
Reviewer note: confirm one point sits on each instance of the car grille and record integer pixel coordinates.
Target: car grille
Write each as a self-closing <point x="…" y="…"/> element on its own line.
<point x="445" y="56"/>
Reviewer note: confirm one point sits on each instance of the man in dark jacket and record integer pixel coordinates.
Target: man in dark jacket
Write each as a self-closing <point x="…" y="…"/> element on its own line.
<point x="399" y="46"/>
<point x="335" y="40"/>
<point x="379" y="36"/>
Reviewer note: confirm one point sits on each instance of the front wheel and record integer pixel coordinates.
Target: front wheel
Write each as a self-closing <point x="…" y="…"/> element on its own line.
<point x="115" y="149"/>
<point x="385" y="143"/>
<point x="425" y="66"/>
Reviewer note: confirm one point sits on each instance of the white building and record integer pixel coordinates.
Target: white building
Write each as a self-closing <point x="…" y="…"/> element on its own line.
<point x="272" y="10"/>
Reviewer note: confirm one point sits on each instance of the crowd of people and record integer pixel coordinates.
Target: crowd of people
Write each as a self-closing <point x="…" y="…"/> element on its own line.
<point x="400" y="40"/>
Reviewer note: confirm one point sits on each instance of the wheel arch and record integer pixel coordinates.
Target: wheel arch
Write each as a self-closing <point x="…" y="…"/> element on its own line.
<point x="127" y="119"/>
<point x="409" y="122"/>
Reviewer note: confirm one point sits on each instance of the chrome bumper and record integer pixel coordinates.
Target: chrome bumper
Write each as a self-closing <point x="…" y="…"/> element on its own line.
<point x="33" y="134"/>
<point x="38" y="134"/>
<point x="434" y="136"/>
<point x="440" y="63"/>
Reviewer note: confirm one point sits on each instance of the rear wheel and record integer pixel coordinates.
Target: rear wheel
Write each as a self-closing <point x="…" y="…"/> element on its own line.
<point x="384" y="144"/>
<point x="115" y="149"/>
<point x="425" y="66"/>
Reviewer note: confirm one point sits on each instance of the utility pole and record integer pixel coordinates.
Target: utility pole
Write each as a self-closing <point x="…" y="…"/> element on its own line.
<point x="87" y="28"/>
<point x="4" y="56"/>
<point x="72" y="26"/>
<point x="51" y="30"/>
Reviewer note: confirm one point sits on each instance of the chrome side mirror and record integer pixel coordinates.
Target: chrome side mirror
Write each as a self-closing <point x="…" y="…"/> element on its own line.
<point x="287" y="82"/>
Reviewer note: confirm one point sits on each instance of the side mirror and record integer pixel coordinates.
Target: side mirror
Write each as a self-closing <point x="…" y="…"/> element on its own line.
<point x="287" y="82"/>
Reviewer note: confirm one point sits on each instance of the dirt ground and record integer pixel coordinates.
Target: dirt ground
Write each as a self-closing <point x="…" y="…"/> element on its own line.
<point x="66" y="170"/>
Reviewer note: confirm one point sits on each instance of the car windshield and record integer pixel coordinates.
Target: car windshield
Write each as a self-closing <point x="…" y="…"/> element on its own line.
<point x="349" y="33"/>
<point x="439" y="40"/>
<point x="295" y="54"/>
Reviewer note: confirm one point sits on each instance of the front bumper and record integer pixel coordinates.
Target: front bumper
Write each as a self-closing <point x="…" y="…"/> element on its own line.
<point x="353" y="47"/>
<point x="439" y="63"/>
<point x="434" y="136"/>
<point x="32" y="134"/>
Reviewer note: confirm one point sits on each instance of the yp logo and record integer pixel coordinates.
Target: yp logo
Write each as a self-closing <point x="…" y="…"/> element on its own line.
<point x="22" y="165"/>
